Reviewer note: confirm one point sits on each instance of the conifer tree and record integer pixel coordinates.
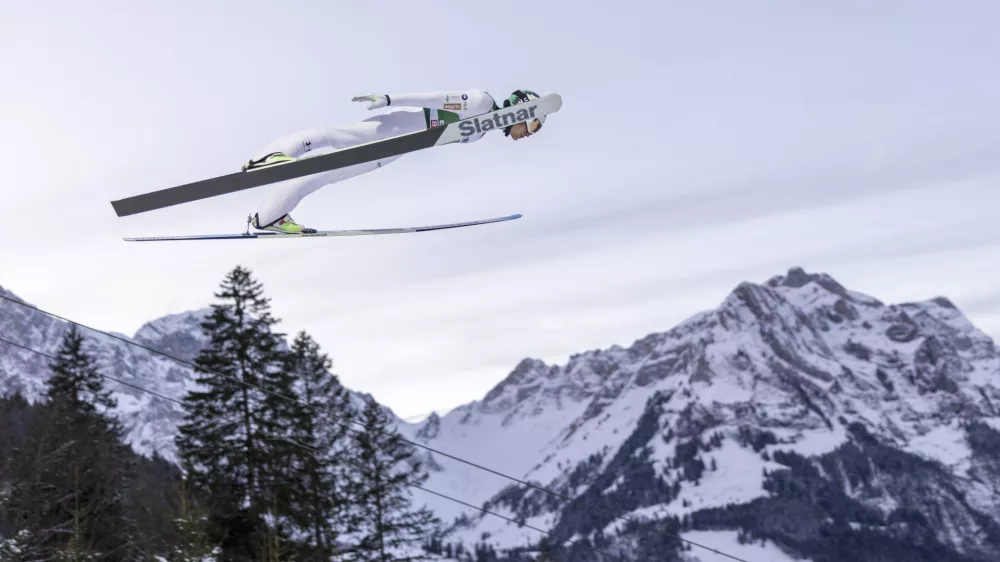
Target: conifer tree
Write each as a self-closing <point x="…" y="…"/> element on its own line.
<point x="76" y="386"/>
<point x="35" y="470"/>
<point x="384" y="467"/>
<point x="79" y="492"/>
<point x="193" y="543"/>
<point x="320" y="426"/>
<point x="231" y="436"/>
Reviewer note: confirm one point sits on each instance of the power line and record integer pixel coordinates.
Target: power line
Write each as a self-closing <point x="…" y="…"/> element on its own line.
<point x="108" y="377"/>
<point x="520" y="523"/>
<point x="466" y="504"/>
<point x="313" y="449"/>
<point x="343" y="418"/>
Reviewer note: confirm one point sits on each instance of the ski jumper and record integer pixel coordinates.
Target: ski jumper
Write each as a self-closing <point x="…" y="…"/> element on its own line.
<point x="435" y="108"/>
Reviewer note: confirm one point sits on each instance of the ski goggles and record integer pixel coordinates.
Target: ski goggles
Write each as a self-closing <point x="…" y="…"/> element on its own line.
<point x="532" y="127"/>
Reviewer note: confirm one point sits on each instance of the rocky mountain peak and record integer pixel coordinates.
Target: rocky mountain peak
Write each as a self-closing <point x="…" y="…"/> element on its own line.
<point x="430" y="427"/>
<point x="800" y="294"/>
<point x="797" y="278"/>
<point x="529" y="373"/>
<point x="534" y="386"/>
<point x="179" y="335"/>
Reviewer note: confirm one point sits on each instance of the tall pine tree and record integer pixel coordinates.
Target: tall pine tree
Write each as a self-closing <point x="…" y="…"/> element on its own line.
<point x="77" y="499"/>
<point x="76" y="386"/>
<point x="321" y="426"/>
<point x="383" y="467"/>
<point x="232" y="438"/>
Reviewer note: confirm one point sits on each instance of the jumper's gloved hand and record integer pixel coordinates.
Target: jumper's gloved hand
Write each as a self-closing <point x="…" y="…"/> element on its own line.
<point x="377" y="101"/>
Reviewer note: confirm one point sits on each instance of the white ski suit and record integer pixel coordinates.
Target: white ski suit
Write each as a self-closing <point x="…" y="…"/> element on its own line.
<point x="434" y="108"/>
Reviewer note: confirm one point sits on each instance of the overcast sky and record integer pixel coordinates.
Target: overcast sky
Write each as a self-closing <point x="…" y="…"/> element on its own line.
<point x="699" y="145"/>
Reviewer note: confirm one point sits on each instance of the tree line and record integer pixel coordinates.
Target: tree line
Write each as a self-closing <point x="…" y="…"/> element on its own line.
<point x="276" y="461"/>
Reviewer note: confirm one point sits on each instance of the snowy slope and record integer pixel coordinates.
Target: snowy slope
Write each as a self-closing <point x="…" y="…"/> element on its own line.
<point x="726" y="541"/>
<point x="791" y="387"/>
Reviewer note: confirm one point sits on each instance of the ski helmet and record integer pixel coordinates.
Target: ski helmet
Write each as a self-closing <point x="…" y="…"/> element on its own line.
<point x="521" y="96"/>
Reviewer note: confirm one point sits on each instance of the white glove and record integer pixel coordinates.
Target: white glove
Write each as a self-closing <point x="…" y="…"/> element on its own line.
<point x="377" y="101"/>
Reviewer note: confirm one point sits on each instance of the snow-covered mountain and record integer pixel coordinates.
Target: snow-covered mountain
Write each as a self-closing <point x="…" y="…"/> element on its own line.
<point x="820" y="422"/>
<point x="797" y="408"/>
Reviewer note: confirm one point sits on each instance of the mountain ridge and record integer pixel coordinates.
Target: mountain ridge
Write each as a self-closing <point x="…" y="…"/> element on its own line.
<point x="758" y="363"/>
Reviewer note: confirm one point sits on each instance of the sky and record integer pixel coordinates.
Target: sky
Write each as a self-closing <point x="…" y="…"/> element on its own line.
<point x="699" y="145"/>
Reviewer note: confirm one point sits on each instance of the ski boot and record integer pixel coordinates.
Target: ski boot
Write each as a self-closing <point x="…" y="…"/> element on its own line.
<point x="271" y="159"/>
<point x="284" y="225"/>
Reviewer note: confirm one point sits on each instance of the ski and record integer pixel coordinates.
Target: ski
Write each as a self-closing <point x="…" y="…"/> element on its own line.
<point x="270" y="235"/>
<point x="385" y="148"/>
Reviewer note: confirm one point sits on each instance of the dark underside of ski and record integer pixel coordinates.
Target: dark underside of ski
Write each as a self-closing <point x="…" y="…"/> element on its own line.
<point x="239" y="181"/>
<point x="270" y="235"/>
<point x="368" y="152"/>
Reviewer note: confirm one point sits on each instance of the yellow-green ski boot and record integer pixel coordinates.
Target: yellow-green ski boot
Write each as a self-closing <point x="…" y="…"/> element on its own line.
<point x="284" y="225"/>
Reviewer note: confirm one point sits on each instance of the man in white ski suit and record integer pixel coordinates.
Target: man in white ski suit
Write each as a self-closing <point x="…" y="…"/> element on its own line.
<point x="418" y="112"/>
